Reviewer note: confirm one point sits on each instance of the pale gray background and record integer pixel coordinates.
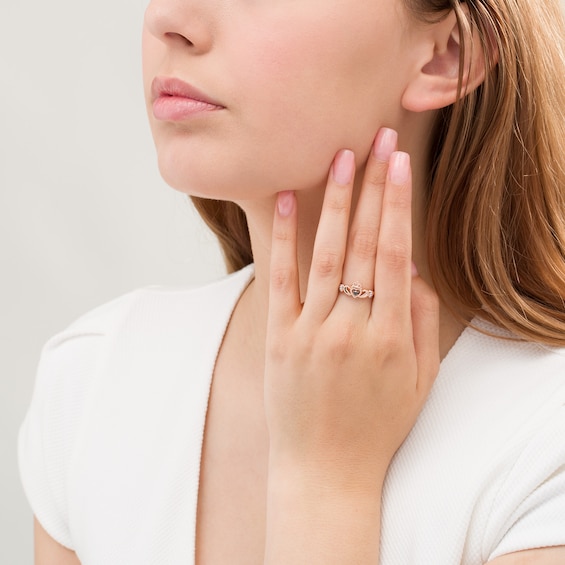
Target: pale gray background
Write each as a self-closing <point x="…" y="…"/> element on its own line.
<point x="84" y="215"/>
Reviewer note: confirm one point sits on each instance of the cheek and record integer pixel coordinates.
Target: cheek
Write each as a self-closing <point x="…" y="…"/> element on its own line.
<point x="150" y="54"/>
<point x="297" y="96"/>
<point x="309" y="95"/>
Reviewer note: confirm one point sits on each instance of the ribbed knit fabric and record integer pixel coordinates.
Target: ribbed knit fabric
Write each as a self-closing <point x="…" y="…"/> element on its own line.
<point x="110" y="448"/>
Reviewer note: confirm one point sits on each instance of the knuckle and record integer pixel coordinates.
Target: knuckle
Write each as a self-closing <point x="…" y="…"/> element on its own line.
<point x="391" y="340"/>
<point x="395" y="255"/>
<point x="364" y="243"/>
<point x="282" y="235"/>
<point x="337" y="204"/>
<point x="276" y="350"/>
<point x="376" y="176"/>
<point x="400" y="200"/>
<point x="282" y="278"/>
<point x="343" y="340"/>
<point x="327" y="263"/>
<point x="285" y="344"/>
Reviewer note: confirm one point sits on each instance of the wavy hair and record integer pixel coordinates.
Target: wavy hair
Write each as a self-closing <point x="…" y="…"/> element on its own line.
<point x="496" y="199"/>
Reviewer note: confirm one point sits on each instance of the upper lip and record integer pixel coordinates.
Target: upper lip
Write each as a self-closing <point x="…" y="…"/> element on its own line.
<point x="170" y="86"/>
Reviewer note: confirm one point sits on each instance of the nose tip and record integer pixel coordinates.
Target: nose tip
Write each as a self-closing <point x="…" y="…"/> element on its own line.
<point x="174" y="21"/>
<point x="159" y="19"/>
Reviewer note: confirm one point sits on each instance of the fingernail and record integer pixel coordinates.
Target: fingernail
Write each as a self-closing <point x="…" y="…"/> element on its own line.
<point x="414" y="269"/>
<point x="399" y="167"/>
<point x="385" y="144"/>
<point x="285" y="203"/>
<point x="344" y="166"/>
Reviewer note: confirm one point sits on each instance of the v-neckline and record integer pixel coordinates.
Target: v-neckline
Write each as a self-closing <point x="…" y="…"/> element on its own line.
<point x="244" y="282"/>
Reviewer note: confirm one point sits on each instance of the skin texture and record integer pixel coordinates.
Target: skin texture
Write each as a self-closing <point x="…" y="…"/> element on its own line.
<point x="296" y="92"/>
<point x="273" y="63"/>
<point x="336" y="368"/>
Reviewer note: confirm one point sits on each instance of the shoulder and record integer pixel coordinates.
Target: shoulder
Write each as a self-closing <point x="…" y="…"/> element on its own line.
<point x="488" y="448"/>
<point x="71" y="355"/>
<point x="494" y="362"/>
<point x="47" y="435"/>
<point x="189" y="303"/>
<point x="104" y="318"/>
<point x="498" y="390"/>
<point x="126" y="334"/>
<point x="137" y="309"/>
<point x="523" y="403"/>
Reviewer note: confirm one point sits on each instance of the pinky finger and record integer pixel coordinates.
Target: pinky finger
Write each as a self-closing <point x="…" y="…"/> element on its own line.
<point x="425" y="327"/>
<point x="284" y="292"/>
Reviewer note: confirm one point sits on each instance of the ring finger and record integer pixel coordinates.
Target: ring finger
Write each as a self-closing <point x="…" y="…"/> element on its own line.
<point x="360" y="258"/>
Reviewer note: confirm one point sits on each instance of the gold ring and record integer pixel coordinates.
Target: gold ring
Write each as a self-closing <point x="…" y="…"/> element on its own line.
<point x="356" y="290"/>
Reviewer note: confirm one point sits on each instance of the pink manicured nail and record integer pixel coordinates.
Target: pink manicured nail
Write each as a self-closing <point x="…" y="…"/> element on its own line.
<point x="344" y="167"/>
<point x="285" y="203"/>
<point x="385" y="144"/>
<point x="399" y="168"/>
<point x="414" y="269"/>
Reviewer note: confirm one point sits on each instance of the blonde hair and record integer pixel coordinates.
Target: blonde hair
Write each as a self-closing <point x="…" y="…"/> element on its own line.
<point x="496" y="202"/>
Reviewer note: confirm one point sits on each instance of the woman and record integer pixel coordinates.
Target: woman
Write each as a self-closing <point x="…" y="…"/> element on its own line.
<point x="165" y="426"/>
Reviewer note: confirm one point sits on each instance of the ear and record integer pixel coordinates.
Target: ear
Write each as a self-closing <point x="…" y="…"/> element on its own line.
<point x="436" y="77"/>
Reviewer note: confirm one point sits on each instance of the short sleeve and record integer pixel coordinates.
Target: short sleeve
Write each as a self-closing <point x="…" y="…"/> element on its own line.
<point x="65" y="373"/>
<point x="529" y="510"/>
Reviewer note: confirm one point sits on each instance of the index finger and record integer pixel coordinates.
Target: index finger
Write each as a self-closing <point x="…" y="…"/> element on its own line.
<point x="284" y="292"/>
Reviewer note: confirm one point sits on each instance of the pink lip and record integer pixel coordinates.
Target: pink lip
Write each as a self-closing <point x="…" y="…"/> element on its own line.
<point x="175" y="100"/>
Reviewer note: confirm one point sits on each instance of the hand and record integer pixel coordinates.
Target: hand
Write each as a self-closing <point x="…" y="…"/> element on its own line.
<point x="346" y="378"/>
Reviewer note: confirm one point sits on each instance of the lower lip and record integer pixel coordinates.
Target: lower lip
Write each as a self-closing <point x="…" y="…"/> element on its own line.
<point x="178" y="108"/>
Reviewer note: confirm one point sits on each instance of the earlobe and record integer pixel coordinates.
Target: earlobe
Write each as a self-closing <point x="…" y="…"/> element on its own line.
<point x="436" y="79"/>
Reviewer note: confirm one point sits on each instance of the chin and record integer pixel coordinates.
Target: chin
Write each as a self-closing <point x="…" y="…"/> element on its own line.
<point x="192" y="183"/>
<point x="190" y="171"/>
<point x="224" y="171"/>
<point x="203" y="180"/>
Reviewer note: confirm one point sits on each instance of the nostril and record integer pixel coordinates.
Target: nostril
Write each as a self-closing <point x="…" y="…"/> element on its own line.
<point x="179" y="37"/>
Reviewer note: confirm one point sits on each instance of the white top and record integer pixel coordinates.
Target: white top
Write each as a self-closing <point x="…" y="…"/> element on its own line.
<point x="110" y="448"/>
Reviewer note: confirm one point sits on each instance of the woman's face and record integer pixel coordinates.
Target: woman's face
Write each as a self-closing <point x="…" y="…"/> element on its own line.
<point x="297" y="81"/>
